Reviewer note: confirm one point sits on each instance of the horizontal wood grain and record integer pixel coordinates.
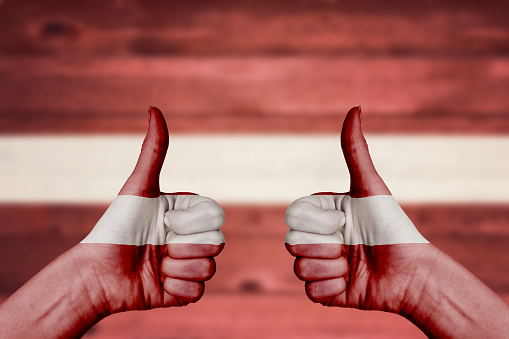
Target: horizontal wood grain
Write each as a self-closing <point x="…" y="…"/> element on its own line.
<point x="255" y="94"/>
<point x="259" y="221"/>
<point x="227" y="316"/>
<point x="254" y="260"/>
<point x="201" y="27"/>
<point x="255" y="316"/>
<point x="234" y="67"/>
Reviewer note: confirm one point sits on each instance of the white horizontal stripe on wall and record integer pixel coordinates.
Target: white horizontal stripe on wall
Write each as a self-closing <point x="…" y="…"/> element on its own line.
<point x="241" y="169"/>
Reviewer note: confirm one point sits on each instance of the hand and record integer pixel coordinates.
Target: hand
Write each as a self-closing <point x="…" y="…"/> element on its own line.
<point x="151" y="249"/>
<point x="360" y="250"/>
<point x="148" y="250"/>
<point x="354" y="249"/>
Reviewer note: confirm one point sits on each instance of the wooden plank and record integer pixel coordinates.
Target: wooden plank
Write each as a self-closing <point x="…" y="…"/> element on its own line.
<point x="289" y="94"/>
<point x="256" y="221"/>
<point x="254" y="27"/>
<point x="230" y="316"/>
<point x="254" y="260"/>
<point x="254" y="316"/>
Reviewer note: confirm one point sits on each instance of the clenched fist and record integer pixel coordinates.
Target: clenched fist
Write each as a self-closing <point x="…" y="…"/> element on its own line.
<point x="155" y="249"/>
<point x="354" y="249"/>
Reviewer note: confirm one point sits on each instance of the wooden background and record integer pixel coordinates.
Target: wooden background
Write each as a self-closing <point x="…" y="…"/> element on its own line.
<point x="427" y="67"/>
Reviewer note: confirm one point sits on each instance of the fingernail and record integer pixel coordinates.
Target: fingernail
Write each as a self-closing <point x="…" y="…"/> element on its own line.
<point x="360" y="112"/>
<point x="149" y="113"/>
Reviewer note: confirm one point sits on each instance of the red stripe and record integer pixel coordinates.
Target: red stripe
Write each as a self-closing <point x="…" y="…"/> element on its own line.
<point x="179" y="193"/>
<point x="329" y="193"/>
<point x="254" y="257"/>
<point x="111" y="95"/>
<point x="231" y="27"/>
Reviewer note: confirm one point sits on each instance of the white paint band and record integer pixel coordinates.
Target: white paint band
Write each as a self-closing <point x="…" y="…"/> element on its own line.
<point x="253" y="168"/>
<point x="168" y="219"/>
<point x="341" y="219"/>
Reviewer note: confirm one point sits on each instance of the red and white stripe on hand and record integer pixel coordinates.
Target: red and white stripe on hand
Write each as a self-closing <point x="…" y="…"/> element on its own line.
<point x="329" y="232"/>
<point x="155" y="240"/>
<point x="173" y="218"/>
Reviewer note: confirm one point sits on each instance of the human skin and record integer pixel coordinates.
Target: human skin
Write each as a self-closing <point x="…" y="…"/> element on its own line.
<point x="91" y="281"/>
<point x="414" y="280"/>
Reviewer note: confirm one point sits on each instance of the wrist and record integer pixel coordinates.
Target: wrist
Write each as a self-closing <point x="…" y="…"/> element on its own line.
<point x="423" y="293"/>
<point x="91" y="303"/>
<point x="62" y="300"/>
<point x="411" y="275"/>
<point x="448" y="301"/>
<point x="108" y="287"/>
<point x="434" y="305"/>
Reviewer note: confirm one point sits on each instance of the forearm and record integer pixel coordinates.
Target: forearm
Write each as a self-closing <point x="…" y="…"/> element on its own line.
<point x="63" y="300"/>
<point x="453" y="303"/>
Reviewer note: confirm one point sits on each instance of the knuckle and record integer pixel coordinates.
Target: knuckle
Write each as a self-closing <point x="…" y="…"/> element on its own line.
<point x="216" y="214"/>
<point x="297" y="215"/>
<point x="207" y="268"/>
<point x="312" y="292"/>
<point x="343" y="264"/>
<point x="293" y="214"/>
<point x="196" y="290"/>
<point x="300" y="269"/>
<point x="166" y="264"/>
<point x="212" y="212"/>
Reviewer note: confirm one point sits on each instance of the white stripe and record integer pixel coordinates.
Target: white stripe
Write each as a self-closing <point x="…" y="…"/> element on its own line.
<point x="238" y="169"/>
<point x="132" y="220"/>
<point x="377" y="220"/>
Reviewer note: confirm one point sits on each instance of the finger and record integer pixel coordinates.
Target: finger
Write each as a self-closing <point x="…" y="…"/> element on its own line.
<point x="197" y="245"/>
<point x="144" y="181"/>
<point x="199" y="219"/>
<point x="186" y="251"/>
<point x="321" y="251"/>
<point x="199" y="269"/>
<point x="315" y="214"/>
<point x="210" y="237"/>
<point x="170" y="300"/>
<point x="185" y="290"/>
<point x="320" y="291"/>
<point x="364" y="179"/>
<point x="340" y="300"/>
<point x="309" y="269"/>
<point x="194" y="214"/>
<point x="300" y="238"/>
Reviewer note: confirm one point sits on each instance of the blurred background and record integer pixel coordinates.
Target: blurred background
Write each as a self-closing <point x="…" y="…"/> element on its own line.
<point x="254" y="93"/>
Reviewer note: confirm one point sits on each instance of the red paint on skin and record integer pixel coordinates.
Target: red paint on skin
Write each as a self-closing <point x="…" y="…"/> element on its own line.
<point x="364" y="179"/>
<point x="179" y="193"/>
<point x="141" y="266"/>
<point x="329" y="193"/>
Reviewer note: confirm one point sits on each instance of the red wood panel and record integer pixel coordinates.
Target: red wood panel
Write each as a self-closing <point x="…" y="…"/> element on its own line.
<point x="255" y="221"/>
<point x="255" y="316"/>
<point x="200" y="27"/>
<point x="291" y="94"/>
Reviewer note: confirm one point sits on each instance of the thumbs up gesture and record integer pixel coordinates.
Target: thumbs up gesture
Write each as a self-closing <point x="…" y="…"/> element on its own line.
<point x="356" y="249"/>
<point x="154" y="249"/>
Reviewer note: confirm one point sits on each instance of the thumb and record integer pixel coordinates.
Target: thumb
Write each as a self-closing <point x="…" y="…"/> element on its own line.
<point x="144" y="181"/>
<point x="364" y="179"/>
